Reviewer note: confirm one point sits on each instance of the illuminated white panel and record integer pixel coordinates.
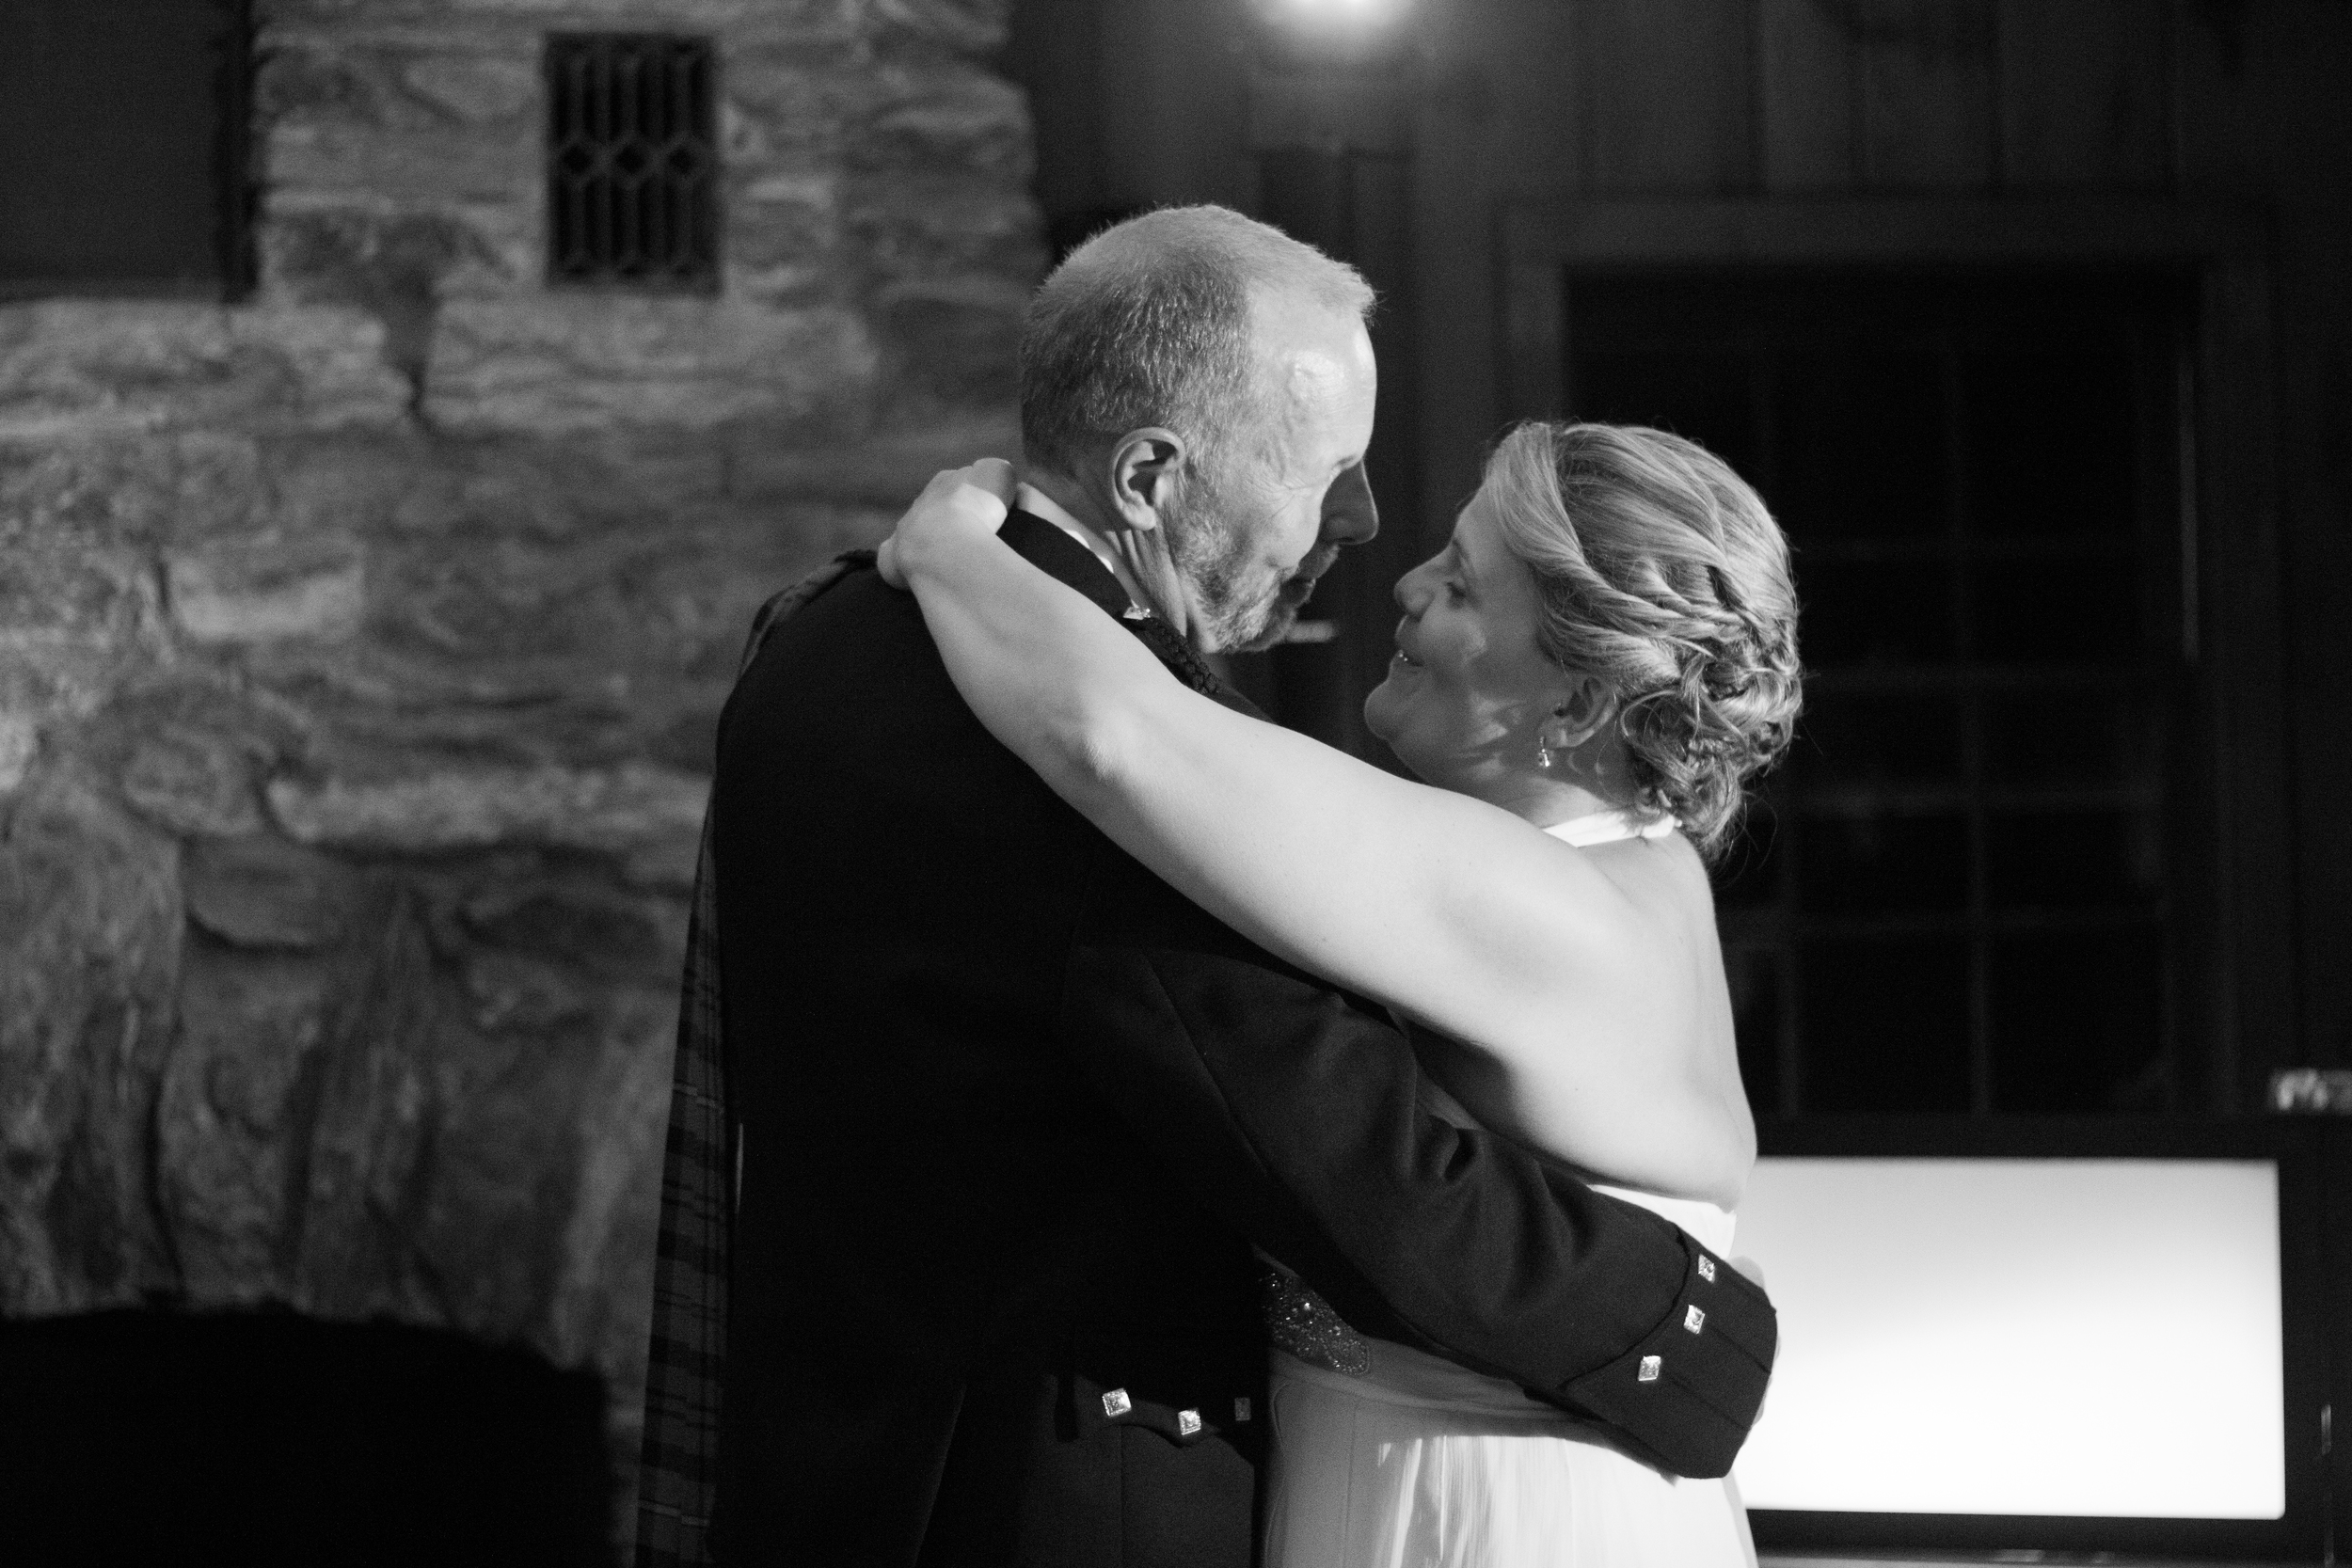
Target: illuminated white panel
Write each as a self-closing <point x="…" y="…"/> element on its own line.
<point x="2055" y="1337"/>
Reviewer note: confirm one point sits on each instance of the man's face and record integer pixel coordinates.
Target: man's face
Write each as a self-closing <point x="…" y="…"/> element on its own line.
<point x="1290" y="489"/>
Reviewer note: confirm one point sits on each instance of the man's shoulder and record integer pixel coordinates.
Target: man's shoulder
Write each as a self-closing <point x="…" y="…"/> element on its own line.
<point x="855" y="616"/>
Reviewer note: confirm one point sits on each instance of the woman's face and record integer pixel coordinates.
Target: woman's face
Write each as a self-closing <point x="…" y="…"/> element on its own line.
<point x="1468" y="690"/>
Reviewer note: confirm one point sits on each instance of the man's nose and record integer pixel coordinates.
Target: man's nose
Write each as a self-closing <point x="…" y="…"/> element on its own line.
<point x="1349" y="515"/>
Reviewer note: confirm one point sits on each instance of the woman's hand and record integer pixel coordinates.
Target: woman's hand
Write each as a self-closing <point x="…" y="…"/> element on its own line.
<point x="958" y="504"/>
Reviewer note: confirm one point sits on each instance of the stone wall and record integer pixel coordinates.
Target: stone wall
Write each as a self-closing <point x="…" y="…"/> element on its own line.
<point x="361" y="647"/>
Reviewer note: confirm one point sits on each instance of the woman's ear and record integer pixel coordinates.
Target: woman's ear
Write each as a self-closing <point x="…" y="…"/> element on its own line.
<point x="1584" y="704"/>
<point x="1145" y="468"/>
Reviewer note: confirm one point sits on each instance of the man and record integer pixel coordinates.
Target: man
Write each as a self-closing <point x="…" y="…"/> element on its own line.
<point x="1006" y="1114"/>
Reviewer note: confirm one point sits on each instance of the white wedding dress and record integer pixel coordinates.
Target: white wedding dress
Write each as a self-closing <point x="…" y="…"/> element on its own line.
<point x="1385" y="1457"/>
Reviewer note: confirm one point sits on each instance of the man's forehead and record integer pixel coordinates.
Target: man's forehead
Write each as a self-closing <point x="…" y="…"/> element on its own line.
<point x="1287" y="318"/>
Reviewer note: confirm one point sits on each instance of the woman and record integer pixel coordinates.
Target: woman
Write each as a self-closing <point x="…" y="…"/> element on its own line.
<point x="1588" y="674"/>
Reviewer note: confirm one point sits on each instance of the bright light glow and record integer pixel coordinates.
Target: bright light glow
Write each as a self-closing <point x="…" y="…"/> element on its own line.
<point x="2052" y="1336"/>
<point x="1335" y="15"/>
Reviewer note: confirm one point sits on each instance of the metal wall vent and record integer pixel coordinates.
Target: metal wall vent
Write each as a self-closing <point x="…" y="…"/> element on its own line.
<point x="632" y="160"/>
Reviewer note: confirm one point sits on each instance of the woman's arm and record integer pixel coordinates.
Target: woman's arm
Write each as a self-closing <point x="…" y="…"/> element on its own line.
<point x="1453" y="911"/>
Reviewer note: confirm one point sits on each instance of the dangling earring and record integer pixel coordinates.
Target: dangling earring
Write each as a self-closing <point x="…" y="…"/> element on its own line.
<point x="1543" y="756"/>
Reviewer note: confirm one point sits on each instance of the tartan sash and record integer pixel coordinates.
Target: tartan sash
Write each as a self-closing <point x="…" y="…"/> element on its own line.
<point x="700" y="1163"/>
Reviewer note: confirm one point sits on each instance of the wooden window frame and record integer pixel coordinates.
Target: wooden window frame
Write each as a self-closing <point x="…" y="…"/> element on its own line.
<point x="2238" y="927"/>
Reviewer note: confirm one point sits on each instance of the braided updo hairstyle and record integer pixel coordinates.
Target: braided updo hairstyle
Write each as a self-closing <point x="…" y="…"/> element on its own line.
<point x="1662" y="573"/>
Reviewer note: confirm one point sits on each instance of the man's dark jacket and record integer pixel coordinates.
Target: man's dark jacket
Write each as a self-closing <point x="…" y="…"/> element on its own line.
<point x="1010" y="1112"/>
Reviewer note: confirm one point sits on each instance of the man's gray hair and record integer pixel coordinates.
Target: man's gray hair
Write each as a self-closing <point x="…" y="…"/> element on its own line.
<point x="1148" y="324"/>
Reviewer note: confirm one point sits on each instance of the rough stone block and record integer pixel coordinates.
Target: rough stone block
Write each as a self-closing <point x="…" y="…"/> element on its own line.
<point x="957" y="344"/>
<point x="562" y="363"/>
<point x="392" y="265"/>
<point x="73" y="369"/>
<point x="263" y="590"/>
<point x="605" y="1288"/>
<point x="783" y="238"/>
<point x="423" y="166"/>
<point x="511" y="990"/>
<point x="487" y="1220"/>
<point x="20" y="743"/>
<point x="612" y="809"/>
<point x="788" y="16"/>
<point x="134" y="490"/>
<point x="975" y="28"/>
<point x="233" y="1118"/>
<point x="952" y="118"/>
<point x="194" y="782"/>
<point x="185" y="742"/>
<point x="375" y="1141"/>
<point x="314" y="82"/>
<point x="945" y="231"/>
<point x="569" y="921"/>
<point x="550" y="490"/>
<point x="882" y="474"/>
<point x="347" y="255"/>
<point x="789" y="111"/>
<point x="75" y="624"/>
<point x="262" y="892"/>
<point x="55" y="598"/>
<point x="472" y="88"/>
<point x="89" y="954"/>
<point x="353" y="484"/>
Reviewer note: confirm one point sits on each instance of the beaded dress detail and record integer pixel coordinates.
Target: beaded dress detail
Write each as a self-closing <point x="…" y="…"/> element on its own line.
<point x="1301" y="1323"/>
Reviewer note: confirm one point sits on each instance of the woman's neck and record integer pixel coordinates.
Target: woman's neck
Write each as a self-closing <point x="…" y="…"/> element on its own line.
<point x="1541" y="799"/>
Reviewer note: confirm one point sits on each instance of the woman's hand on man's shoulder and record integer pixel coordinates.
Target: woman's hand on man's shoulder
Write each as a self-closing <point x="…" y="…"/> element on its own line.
<point x="956" y="504"/>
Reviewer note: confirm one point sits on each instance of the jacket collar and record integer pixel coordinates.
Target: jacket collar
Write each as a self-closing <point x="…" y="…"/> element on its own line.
<point x="1051" y="550"/>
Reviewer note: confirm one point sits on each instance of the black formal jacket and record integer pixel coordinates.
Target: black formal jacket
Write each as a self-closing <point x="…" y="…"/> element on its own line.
<point x="1011" y="1112"/>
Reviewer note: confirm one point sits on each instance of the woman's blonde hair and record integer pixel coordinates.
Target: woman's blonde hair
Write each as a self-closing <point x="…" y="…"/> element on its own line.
<point x="1662" y="573"/>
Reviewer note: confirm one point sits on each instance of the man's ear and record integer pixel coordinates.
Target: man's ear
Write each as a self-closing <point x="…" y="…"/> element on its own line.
<point x="1145" y="466"/>
<point x="1584" y="703"/>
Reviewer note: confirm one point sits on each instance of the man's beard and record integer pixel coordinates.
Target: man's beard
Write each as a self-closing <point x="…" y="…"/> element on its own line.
<point x="1237" y="610"/>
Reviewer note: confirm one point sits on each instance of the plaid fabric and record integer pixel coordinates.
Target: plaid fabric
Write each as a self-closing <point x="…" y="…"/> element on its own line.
<point x="687" y="1352"/>
<point x="700" y="1166"/>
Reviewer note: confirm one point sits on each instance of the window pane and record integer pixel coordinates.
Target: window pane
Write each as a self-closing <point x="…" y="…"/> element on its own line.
<point x="2078" y="1022"/>
<point x="2072" y="738"/>
<point x="1961" y="463"/>
<point x="2071" y="859"/>
<point x="1885" y="1026"/>
<point x="1884" y="865"/>
<point x="1875" y="612"/>
<point x="1707" y="397"/>
<point x="1848" y="741"/>
<point x="1748" y="876"/>
<point x="2082" y="610"/>
<point x="1860" y="446"/>
<point x="2049" y="439"/>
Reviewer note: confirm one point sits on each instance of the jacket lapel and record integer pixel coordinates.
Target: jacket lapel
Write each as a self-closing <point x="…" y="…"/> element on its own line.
<point x="1063" y="559"/>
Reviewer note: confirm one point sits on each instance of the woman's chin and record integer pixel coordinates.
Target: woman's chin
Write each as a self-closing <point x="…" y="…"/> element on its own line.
<point x="1383" y="710"/>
